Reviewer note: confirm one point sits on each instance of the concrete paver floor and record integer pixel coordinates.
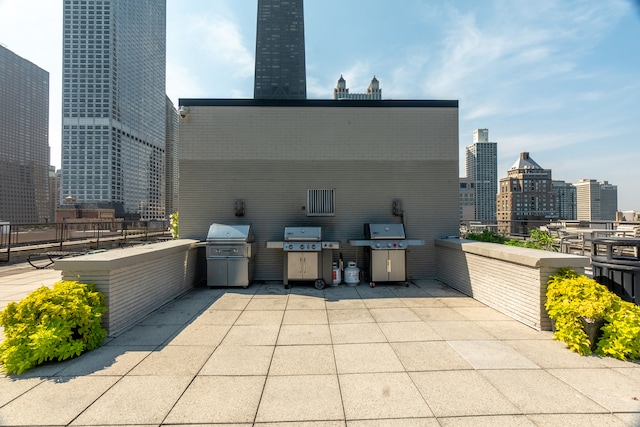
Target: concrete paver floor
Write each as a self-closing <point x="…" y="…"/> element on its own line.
<point x="346" y="356"/>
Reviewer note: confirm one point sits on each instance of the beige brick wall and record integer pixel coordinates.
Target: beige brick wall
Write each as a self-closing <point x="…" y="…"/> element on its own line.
<point x="512" y="280"/>
<point x="319" y="133"/>
<point x="269" y="156"/>
<point x="135" y="281"/>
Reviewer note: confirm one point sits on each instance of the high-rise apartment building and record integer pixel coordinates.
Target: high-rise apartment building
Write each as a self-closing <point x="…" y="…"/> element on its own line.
<point x="565" y="200"/>
<point x="114" y="103"/>
<point x="482" y="170"/>
<point x="608" y="201"/>
<point x="280" y="70"/>
<point x="467" y="199"/>
<point x="54" y="192"/>
<point x="24" y="140"/>
<point x="526" y="199"/>
<point x="171" y="162"/>
<point x="373" y="92"/>
<point x="596" y="201"/>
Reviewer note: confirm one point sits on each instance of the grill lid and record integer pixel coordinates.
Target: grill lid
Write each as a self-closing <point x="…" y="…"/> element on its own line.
<point x="384" y="231"/>
<point x="298" y="234"/>
<point x="239" y="233"/>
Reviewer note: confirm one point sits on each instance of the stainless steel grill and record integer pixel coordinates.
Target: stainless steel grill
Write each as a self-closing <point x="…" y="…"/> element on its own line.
<point x="229" y="252"/>
<point x="386" y="246"/>
<point x="307" y="257"/>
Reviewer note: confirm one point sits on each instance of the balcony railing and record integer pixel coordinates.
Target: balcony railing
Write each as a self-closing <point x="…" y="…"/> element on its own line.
<point x="83" y="232"/>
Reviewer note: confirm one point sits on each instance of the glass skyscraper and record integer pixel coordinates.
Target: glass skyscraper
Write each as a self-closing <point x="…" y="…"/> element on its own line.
<point x="24" y="140"/>
<point x="113" y="118"/>
<point x="280" y="71"/>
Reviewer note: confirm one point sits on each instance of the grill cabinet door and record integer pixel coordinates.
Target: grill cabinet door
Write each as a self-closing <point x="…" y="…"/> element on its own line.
<point x="238" y="272"/>
<point x="379" y="259"/>
<point x="216" y="272"/>
<point x="302" y="265"/>
<point x="396" y="266"/>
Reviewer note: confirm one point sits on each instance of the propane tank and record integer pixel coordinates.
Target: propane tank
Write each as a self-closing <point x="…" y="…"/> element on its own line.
<point x="352" y="274"/>
<point x="336" y="274"/>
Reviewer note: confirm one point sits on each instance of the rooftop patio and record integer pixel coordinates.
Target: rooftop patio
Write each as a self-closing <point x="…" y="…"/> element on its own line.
<point x="422" y="355"/>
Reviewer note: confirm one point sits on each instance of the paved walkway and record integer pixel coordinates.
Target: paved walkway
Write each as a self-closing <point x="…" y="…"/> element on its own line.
<point x="416" y="356"/>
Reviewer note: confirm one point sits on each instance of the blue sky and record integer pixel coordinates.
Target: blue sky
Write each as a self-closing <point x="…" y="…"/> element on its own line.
<point x="559" y="79"/>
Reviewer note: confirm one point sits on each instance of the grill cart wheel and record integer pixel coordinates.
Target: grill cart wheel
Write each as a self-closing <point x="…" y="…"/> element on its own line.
<point x="320" y="284"/>
<point x="372" y="284"/>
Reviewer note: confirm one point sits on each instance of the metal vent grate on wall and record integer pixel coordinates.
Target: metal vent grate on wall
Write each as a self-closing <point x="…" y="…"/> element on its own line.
<point x="321" y="202"/>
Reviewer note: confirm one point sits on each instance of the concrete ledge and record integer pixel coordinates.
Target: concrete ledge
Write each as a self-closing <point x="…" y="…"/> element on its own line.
<point x="135" y="280"/>
<point x="510" y="279"/>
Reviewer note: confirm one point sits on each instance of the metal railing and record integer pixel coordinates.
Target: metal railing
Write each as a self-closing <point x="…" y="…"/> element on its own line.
<point x="55" y="236"/>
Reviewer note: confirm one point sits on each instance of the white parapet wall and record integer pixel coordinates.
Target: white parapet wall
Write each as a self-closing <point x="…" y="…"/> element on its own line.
<point x="135" y="280"/>
<point x="512" y="280"/>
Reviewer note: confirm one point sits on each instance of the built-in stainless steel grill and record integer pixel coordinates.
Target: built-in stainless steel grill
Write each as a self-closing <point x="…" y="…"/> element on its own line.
<point x="229" y="250"/>
<point x="386" y="246"/>
<point x="307" y="257"/>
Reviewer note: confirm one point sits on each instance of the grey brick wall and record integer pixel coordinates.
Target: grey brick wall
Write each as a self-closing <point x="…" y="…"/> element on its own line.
<point x="269" y="156"/>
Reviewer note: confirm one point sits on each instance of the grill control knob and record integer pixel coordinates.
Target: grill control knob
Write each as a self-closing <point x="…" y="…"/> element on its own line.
<point x="377" y="245"/>
<point x="389" y="245"/>
<point x="400" y="245"/>
<point x="290" y="246"/>
<point x="301" y="246"/>
<point x="313" y="246"/>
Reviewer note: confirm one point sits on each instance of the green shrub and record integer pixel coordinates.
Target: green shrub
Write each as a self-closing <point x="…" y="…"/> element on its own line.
<point x="487" y="236"/>
<point x="173" y="225"/>
<point x="51" y="324"/>
<point x="621" y="336"/>
<point x="538" y="239"/>
<point x="572" y="297"/>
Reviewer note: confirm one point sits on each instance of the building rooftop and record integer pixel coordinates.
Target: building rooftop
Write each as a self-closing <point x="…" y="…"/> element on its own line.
<point x="422" y="355"/>
<point x="525" y="162"/>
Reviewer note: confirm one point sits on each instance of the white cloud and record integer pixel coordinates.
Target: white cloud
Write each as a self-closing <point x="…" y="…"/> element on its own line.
<point x="223" y="40"/>
<point x="181" y="82"/>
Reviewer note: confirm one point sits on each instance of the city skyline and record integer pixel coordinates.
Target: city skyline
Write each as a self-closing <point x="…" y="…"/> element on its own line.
<point x="557" y="80"/>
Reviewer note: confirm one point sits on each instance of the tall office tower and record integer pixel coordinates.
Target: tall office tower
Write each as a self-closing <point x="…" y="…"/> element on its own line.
<point x="171" y="162"/>
<point x="373" y="92"/>
<point x="588" y="200"/>
<point x="24" y="140"/>
<point x="596" y="201"/>
<point x="54" y="192"/>
<point x="482" y="170"/>
<point x="280" y="71"/>
<point x="467" y="199"/>
<point x="113" y="117"/>
<point x="526" y="198"/>
<point x="565" y="200"/>
<point x="608" y="201"/>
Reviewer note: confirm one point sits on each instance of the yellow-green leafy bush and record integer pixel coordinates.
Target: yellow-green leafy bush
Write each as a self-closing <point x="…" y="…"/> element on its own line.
<point x="51" y="324"/>
<point x="621" y="336"/>
<point x="173" y="225"/>
<point x="572" y="298"/>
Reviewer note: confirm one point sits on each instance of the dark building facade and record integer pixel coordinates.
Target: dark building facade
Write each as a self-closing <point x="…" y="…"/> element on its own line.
<point x="280" y="71"/>
<point x="24" y="140"/>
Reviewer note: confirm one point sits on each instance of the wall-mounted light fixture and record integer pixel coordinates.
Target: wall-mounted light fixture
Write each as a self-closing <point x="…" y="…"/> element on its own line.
<point x="239" y="207"/>
<point x="396" y="207"/>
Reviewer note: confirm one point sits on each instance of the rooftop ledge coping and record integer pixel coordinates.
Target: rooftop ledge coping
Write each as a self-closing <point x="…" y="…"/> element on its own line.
<point x="524" y="256"/>
<point x="119" y="258"/>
